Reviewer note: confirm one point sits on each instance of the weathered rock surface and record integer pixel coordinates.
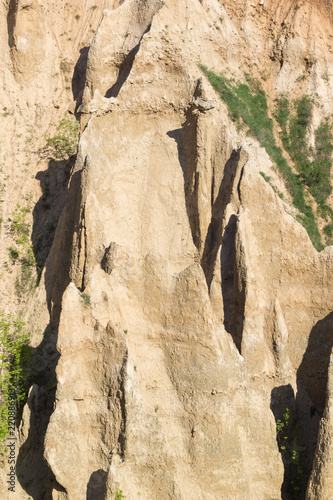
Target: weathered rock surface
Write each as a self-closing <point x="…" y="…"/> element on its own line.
<point x="187" y="307"/>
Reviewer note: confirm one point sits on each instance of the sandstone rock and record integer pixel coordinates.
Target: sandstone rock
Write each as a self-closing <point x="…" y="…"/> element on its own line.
<point x="321" y="482"/>
<point x="203" y="105"/>
<point x="98" y="104"/>
<point x="188" y="308"/>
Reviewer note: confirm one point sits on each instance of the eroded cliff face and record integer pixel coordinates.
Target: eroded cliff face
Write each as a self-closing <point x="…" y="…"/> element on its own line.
<point x="181" y="309"/>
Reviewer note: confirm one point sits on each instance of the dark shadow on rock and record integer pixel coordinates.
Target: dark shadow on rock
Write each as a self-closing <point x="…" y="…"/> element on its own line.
<point x="32" y="470"/>
<point x="186" y="139"/>
<point x="214" y="235"/>
<point x="60" y="210"/>
<point x="306" y="410"/>
<point x="96" y="487"/>
<point x="79" y="76"/>
<point x="11" y="22"/>
<point x="47" y="211"/>
<point x="283" y="397"/>
<point x="233" y="284"/>
<point x="125" y="69"/>
<point x="312" y="377"/>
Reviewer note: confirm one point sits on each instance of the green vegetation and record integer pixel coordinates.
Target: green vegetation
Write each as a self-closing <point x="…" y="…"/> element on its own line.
<point x="6" y="112"/>
<point x="247" y="105"/>
<point x="20" y="228"/>
<point x="268" y="180"/>
<point x="292" y="453"/>
<point x="13" y="254"/>
<point x="20" y="225"/>
<point x="15" y="360"/>
<point x="86" y="299"/>
<point x="63" y="145"/>
<point x="118" y="495"/>
<point x="312" y="163"/>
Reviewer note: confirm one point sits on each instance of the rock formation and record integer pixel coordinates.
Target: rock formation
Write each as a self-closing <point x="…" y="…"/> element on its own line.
<point x="182" y="309"/>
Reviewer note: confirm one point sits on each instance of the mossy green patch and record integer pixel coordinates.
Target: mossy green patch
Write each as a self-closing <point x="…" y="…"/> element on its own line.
<point x="247" y="105"/>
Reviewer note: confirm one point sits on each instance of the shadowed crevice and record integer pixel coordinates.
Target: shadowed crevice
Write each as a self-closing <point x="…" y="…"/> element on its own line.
<point x="33" y="472"/>
<point x="79" y="76"/>
<point x="96" y="487"/>
<point x="121" y="397"/>
<point x="214" y="235"/>
<point x="49" y="207"/>
<point x="283" y="399"/>
<point x="299" y="438"/>
<point x="312" y="379"/>
<point x="186" y="139"/>
<point x="125" y="69"/>
<point x="233" y="283"/>
<point x="11" y="22"/>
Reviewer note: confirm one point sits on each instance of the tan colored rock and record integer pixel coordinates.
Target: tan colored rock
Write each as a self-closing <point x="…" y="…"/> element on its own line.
<point x="321" y="481"/>
<point x="186" y="307"/>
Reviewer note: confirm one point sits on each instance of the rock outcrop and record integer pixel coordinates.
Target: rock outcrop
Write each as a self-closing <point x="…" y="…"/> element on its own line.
<point x="182" y="310"/>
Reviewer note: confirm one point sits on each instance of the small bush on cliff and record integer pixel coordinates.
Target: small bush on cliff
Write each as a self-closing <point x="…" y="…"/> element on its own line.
<point x="20" y="228"/>
<point x="63" y="145"/>
<point x="287" y="435"/>
<point x="15" y="361"/>
<point x="118" y="495"/>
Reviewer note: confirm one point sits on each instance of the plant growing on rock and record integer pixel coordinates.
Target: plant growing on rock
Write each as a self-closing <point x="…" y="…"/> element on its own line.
<point x="247" y="105"/>
<point x="291" y="451"/>
<point x="118" y="495"/>
<point x="24" y="254"/>
<point x="15" y="361"/>
<point x="63" y="144"/>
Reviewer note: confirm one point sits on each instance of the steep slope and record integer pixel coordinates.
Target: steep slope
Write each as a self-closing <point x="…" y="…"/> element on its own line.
<point x="181" y="310"/>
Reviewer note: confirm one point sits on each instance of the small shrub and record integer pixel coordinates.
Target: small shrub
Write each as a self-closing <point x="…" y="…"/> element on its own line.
<point x="86" y="299"/>
<point x="287" y="434"/>
<point x="65" y="66"/>
<point x="15" y="358"/>
<point x="118" y="495"/>
<point x="13" y="254"/>
<point x="20" y="225"/>
<point x="64" y="144"/>
<point x="25" y="254"/>
<point x="264" y="176"/>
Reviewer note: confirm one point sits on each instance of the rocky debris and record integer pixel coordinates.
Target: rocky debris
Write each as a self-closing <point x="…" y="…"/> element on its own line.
<point x="98" y="104"/>
<point x="202" y="104"/>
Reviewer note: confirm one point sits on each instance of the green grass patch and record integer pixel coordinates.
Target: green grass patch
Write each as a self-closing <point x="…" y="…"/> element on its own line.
<point x="313" y="164"/>
<point x="247" y="105"/>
